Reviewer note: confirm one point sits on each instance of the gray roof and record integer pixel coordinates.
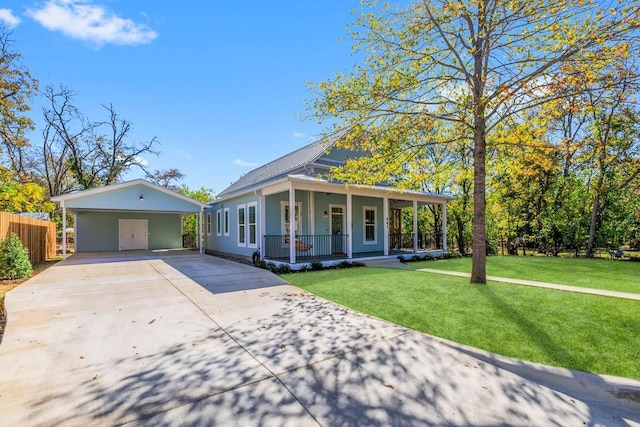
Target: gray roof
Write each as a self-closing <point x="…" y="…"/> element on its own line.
<point x="321" y="153"/>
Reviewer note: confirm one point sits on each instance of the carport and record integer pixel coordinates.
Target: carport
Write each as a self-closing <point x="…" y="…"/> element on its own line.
<point x="132" y="215"/>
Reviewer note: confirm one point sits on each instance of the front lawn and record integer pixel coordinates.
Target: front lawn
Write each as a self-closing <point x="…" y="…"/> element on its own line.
<point x="614" y="275"/>
<point x="578" y="331"/>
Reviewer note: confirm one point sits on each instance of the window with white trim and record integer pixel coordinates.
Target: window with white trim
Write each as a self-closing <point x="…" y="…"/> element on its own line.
<point x="208" y="224"/>
<point x="219" y="222"/>
<point x="226" y="221"/>
<point x="285" y="218"/>
<point x="369" y="215"/>
<point x="252" y="225"/>
<point x="242" y="225"/>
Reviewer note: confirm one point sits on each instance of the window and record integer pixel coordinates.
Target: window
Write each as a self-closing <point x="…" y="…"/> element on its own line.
<point x="285" y="217"/>
<point x="226" y="221"/>
<point x="252" y="224"/>
<point x="242" y="225"/>
<point x="208" y="224"/>
<point x="369" y="216"/>
<point x="219" y="222"/>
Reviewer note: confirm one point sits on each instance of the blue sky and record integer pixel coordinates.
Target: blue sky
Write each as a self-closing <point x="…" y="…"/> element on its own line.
<point x="221" y="84"/>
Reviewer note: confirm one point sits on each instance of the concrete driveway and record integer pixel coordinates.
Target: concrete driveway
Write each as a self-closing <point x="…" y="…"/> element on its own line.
<point x="175" y="338"/>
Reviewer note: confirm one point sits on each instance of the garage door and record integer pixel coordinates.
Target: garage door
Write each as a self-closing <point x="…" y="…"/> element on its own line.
<point x="133" y="234"/>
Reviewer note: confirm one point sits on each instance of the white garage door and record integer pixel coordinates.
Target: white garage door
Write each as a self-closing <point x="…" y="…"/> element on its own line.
<point x="133" y="234"/>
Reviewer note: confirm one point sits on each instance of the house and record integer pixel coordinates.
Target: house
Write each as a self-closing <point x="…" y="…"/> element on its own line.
<point x="127" y="216"/>
<point x="288" y="211"/>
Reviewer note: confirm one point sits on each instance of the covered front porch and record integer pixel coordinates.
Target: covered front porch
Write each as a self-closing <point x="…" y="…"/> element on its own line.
<point x="333" y="222"/>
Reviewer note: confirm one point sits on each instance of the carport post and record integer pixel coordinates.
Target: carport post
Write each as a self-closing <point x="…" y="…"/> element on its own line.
<point x="64" y="230"/>
<point x="200" y="245"/>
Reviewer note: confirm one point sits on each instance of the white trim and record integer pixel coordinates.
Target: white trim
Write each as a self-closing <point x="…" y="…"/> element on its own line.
<point x="64" y="232"/>
<point x="243" y="234"/>
<point x="344" y="224"/>
<point x="255" y="225"/>
<point x="298" y="219"/>
<point x="219" y="222"/>
<point x="209" y="225"/>
<point x="385" y="234"/>
<point x="364" y="225"/>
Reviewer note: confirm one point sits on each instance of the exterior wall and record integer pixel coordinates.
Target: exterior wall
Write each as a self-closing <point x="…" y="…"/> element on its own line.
<point x="273" y="206"/>
<point x="229" y="244"/>
<point x="98" y="231"/>
<point x="128" y="198"/>
<point x="358" y="204"/>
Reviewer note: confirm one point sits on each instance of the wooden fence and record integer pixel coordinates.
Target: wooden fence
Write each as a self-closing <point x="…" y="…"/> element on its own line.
<point x="37" y="235"/>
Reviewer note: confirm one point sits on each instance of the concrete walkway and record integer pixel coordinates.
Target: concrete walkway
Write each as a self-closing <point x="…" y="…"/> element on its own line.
<point x="395" y="263"/>
<point x="186" y="339"/>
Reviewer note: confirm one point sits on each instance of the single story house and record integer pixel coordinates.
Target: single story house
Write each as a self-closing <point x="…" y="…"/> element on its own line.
<point x="127" y="216"/>
<point x="288" y="211"/>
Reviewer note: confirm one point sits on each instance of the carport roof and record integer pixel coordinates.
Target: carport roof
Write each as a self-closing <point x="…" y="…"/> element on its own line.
<point x="135" y="195"/>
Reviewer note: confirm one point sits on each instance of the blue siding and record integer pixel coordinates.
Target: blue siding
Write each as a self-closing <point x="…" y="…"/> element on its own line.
<point x="229" y="244"/>
<point x="128" y="198"/>
<point x="358" y="204"/>
<point x="98" y="231"/>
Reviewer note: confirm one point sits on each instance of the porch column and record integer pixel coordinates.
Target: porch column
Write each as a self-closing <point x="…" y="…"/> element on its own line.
<point x="385" y="209"/>
<point x="444" y="226"/>
<point x="415" y="226"/>
<point x="349" y="226"/>
<point x="200" y="236"/>
<point x="64" y="231"/>
<point x="263" y="226"/>
<point x="292" y="224"/>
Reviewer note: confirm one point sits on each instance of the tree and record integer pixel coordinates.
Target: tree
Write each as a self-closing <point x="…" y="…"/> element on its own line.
<point x="165" y="178"/>
<point x="16" y="88"/>
<point x="190" y="224"/>
<point x="472" y="64"/>
<point x="94" y="153"/>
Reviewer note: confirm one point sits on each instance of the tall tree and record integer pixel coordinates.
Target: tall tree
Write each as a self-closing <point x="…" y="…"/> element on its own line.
<point x="96" y="153"/>
<point x="472" y="63"/>
<point x="16" y="88"/>
<point x="167" y="178"/>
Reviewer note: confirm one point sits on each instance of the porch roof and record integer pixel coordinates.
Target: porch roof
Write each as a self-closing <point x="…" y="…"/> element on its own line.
<point x="306" y="182"/>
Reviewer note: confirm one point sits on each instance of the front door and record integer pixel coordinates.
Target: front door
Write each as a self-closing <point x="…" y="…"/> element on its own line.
<point x="337" y="230"/>
<point x="133" y="234"/>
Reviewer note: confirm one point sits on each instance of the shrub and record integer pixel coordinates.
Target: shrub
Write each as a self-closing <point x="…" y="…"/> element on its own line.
<point x="272" y="267"/>
<point x="316" y="265"/>
<point x="14" y="259"/>
<point x="304" y="268"/>
<point x="344" y="264"/>
<point x="284" y="269"/>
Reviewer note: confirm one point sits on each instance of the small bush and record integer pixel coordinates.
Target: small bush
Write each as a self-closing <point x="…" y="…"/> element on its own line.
<point x="272" y="267"/>
<point x="316" y="265"/>
<point x="14" y="259"/>
<point x="344" y="264"/>
<point x="284" y="269"/>
<point x="304" y="268"/>
<point x="260" y="264"/>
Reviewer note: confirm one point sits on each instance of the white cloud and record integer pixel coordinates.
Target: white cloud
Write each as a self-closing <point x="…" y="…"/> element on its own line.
<point x="244" y="164"/>
<point x="300" y="135"/>
<point x="83" y="20"/>
<point x="141" y="161"/>
<point x="8" y="18"/>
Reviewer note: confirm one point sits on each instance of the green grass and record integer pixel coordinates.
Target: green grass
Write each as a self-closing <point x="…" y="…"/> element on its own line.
<point x="577" y="331"/>
<point x="623" y="276"/>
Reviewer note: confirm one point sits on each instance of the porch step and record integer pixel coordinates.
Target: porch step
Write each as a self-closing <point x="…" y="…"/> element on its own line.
<point x="387" y="262"/>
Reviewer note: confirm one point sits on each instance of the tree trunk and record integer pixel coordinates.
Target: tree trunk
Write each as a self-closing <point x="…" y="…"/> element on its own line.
<point x="479" y="268"/>
<point x="592" y="227"/>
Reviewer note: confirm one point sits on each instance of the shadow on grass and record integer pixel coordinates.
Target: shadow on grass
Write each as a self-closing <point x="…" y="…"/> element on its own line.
<point x="554" y="350"/>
